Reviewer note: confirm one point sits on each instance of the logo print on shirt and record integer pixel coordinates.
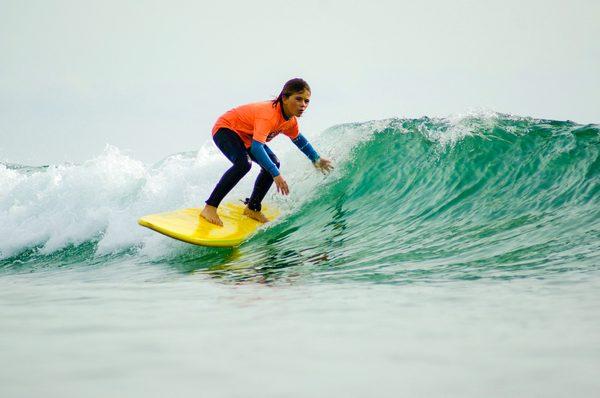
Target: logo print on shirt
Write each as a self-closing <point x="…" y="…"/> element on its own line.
<point x="272" y="135"/>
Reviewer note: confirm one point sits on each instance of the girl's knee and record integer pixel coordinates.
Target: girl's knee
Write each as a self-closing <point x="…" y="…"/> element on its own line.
<point x="243" y="165"/>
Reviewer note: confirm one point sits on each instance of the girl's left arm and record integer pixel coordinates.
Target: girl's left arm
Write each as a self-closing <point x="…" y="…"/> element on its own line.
<point x="302" y="143"/>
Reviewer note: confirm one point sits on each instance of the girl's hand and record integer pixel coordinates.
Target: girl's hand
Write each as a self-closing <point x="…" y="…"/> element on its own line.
<point x="282" y="186"/>
<point x="323" y="165"/>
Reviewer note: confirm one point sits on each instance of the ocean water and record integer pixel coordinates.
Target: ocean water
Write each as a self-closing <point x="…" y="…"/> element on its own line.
<point x="443" y="257"/>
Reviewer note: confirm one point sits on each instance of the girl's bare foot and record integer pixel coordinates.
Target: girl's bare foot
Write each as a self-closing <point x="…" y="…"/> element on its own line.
<point x="209" y="213"/>
<point x="255" y="215"/>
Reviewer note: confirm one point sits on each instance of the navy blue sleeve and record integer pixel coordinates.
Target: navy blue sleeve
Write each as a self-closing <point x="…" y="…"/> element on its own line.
<point x="258" y="151"/>
<point x="302" y="143"/>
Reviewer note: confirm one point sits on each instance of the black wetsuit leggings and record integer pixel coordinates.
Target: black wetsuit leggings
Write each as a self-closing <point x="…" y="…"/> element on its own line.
<point x="233" y="147"/>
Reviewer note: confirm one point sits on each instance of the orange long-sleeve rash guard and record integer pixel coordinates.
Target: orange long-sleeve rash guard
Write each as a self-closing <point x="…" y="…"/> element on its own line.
<point x="260" y="121"/>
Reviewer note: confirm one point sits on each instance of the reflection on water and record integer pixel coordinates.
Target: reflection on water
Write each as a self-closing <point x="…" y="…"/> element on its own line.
<point x="267" y="264"/>
<point x="283" y="253"/>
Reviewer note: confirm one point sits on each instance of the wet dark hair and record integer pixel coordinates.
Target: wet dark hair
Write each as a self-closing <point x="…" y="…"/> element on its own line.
<point x="291" y="87"/>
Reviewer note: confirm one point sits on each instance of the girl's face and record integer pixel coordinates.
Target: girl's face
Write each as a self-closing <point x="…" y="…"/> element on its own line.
<point x="296" y="104"/>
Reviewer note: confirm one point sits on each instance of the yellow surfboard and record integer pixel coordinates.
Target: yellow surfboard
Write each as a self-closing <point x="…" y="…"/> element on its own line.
<point x="187" y="225"/>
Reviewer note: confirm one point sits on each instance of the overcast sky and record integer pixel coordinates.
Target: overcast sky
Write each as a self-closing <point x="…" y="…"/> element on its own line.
<point x="151" y="77"/>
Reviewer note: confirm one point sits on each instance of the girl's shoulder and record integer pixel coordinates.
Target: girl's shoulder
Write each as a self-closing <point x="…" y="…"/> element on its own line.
<point x="262" y="109"/>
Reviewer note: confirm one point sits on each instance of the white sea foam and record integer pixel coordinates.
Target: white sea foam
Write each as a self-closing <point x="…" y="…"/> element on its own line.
<point x="102" y="198"/>
<point x="65" y="204"/>
<point x="450" y="130"/>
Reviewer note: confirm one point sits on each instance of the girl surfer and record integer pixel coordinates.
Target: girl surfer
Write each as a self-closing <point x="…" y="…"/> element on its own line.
<point x="242" y="133"/>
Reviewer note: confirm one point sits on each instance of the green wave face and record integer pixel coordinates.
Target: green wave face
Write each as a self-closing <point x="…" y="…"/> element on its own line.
<point x="513" y="198"/>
